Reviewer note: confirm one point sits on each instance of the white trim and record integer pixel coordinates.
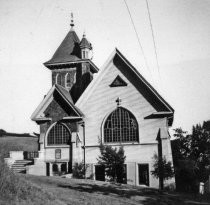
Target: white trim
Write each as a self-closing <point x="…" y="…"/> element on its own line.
<point x="65" y="80"/>
<point x="46" y="101"/>
<point x="56" y="78"/>
<point x="42" y="104"/>
<point x="70" y="118"/>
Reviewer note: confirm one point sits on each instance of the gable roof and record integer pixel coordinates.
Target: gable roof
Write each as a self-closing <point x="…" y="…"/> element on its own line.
<point x="137" y="80"/>
<point x="69" y="50"/>
<point x="36" y="116"/>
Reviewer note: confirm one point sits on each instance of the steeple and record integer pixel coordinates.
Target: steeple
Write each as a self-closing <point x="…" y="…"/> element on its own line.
<point x="70" y="67"/>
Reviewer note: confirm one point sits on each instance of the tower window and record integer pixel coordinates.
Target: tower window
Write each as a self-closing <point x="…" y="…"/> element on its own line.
<point x="68" y="80"/>
<point x="58" y="135"/>
<point x="121" y="126"/>
<point x="58" y="79"/>
<point x="83" y="54"/>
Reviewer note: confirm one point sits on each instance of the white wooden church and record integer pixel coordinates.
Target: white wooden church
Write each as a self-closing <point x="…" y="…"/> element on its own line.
<point x="118" y="106"/>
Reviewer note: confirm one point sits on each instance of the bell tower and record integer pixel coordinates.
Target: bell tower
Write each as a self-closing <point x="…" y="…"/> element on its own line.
<point x="71" y="65"/>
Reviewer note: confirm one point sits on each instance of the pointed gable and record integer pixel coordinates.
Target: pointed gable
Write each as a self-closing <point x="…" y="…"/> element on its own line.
<point x="136" y="79"/>
<point x="118" y="81"/>
<point x="140" y="83"/>
<point x="59" y="100"/>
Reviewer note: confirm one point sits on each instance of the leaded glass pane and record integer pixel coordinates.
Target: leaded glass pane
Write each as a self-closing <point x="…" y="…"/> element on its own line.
<point x="121" y="126"/>
<point x="58" y="135"/>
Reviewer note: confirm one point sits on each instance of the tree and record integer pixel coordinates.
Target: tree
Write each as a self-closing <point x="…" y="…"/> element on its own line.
<point x="191" y="155"/>
<point x="162" y="168"/>
<point x="113" y="161"/>
<point x="2" y="132"/>
<point x="79" y="170"/>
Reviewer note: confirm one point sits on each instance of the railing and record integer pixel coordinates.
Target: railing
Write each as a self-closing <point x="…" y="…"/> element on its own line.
<point x="30" y="155"/>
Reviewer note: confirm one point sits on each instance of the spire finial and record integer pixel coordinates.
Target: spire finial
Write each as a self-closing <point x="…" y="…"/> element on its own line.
<point x="84" y="34"/>
<point x="72" y="21"/>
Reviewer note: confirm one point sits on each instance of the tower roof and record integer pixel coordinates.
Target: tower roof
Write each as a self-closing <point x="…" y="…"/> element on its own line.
<point x="85" y="43"/>
<point x="69" y="50"/>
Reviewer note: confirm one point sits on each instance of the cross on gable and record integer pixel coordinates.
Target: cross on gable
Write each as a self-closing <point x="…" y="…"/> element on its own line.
<point x="118" y="101"/>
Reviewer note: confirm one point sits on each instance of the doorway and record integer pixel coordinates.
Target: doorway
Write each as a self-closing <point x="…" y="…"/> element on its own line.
<point x="47" y="169"/>
<point x="143" y="174"/>
<point x="99" y="173"/>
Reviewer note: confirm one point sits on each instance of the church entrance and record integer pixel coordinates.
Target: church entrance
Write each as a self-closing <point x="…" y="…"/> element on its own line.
<point x="143" y="174"/>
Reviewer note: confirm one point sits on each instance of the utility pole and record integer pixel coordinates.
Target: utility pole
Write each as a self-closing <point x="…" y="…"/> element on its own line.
<point x="160" y="160"/>
<point x="83" y="125"/>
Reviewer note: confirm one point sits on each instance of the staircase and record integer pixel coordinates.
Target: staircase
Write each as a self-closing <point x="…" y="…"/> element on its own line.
<point x="19" y="166"/>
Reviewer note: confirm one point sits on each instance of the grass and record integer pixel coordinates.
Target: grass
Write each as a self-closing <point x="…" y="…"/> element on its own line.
<point x="20" y="143"/>
<point x="89" y="192"/>
<point x="15" y="189"/>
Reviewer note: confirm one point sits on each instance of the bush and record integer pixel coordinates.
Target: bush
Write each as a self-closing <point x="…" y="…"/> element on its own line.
<point x="113" y="160"/>
<point x="79" y="170"/>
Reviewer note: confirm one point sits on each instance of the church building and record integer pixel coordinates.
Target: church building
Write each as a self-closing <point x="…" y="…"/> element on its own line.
<point x="117" y="107"/>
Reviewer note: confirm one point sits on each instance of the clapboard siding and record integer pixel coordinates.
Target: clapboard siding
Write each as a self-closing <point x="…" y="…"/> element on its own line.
<point x="102" y="102"/>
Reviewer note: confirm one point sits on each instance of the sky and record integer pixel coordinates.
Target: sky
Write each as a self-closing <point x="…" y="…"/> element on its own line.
<point x="31" y="31"/>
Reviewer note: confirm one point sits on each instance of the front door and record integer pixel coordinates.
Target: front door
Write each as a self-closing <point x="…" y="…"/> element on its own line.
<point x="143" y="174"/>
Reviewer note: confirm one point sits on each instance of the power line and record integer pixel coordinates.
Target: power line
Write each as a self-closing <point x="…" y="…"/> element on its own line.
<point x="153" y="37"/>
<point x="138" y="38"/>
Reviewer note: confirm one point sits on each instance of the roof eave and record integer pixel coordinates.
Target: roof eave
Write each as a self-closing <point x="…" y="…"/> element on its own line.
<point x="144" y="80"/>
<point x="52" y="66"/>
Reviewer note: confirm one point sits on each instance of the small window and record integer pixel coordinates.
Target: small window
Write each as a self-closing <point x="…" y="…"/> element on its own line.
<point x="75" y="77"/>
<point x="68" y="80"/>
<point x="83" y="54"/>
<point x="58" y="79"/>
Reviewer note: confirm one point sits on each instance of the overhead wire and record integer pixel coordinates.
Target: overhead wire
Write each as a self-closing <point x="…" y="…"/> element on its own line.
<point x="137" y="36"/>
<point x="153" y="37"/>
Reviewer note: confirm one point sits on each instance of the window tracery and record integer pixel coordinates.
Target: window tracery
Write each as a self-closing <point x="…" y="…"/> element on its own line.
<point x="121" y="126"/>
<point x="58" y="135"/>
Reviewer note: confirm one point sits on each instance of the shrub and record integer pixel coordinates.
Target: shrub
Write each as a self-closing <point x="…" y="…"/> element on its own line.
<point x="79" y="170"/>
<point x="162" y="169"/>
<point x="113" y="160"/>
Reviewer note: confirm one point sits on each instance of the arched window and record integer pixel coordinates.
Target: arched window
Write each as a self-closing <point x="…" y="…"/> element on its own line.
<point x="58" y="135"/>
<point x="58" y="79"/>
<point x="121" y="126"/>
<point x="67" y="80"/>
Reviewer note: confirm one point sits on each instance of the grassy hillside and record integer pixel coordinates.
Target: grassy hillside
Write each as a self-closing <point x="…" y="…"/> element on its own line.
<point x="20" y="143"/>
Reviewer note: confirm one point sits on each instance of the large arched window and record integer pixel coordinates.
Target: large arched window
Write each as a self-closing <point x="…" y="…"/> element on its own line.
<point x="121" y="126"/>
<point x="58" y="135"/>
